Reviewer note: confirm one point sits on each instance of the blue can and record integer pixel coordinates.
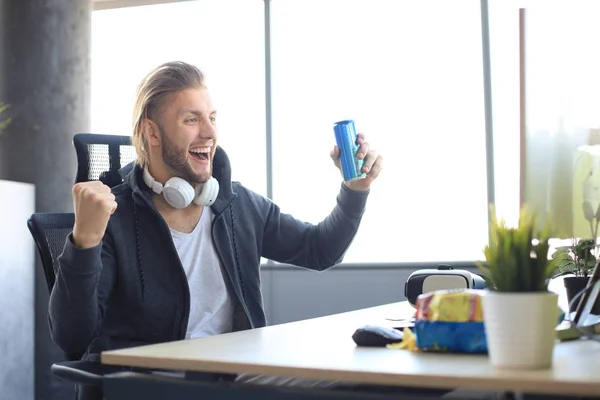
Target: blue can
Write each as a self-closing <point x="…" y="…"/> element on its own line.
<point x="345" y="137"/>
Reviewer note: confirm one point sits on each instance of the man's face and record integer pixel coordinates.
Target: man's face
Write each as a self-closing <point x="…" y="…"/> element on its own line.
<point x="189" y="135"/>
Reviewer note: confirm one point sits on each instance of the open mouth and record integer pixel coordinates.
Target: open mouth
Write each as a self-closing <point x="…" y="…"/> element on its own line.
<point x="201" y="154"/>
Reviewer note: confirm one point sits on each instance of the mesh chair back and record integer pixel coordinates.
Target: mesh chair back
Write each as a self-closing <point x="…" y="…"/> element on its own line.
<point x="99" y="157"/>
<point x="49" y="231"/>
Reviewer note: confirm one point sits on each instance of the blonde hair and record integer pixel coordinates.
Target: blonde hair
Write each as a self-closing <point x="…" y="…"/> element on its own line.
<point x="151" y="94"/>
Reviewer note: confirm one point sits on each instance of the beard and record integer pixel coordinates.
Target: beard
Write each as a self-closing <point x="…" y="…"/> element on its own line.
<point x="176" y="158"/>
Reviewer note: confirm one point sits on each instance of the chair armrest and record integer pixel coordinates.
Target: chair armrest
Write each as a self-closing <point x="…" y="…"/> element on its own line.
<point x="84" y="372"/>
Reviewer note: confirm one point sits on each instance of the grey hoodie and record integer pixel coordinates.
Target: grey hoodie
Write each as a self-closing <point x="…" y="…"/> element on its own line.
<point x="131" y="289"/>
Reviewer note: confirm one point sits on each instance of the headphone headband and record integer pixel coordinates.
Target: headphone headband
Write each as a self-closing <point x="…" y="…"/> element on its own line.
<point x="178" y="193"/>
<point x="156" y="187"/>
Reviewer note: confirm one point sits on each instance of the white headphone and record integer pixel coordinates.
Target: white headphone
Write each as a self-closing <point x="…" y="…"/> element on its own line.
<point x="180" y="194"/>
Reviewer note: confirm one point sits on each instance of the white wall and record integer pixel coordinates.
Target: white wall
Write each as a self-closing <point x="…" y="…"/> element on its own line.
<point x="17" y="262"/>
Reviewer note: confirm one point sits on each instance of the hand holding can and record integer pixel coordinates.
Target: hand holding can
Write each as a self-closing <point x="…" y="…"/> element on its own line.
<point x="346" y="137"/>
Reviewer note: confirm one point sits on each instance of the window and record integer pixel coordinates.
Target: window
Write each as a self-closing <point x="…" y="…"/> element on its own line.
<point x="410" y="75"/>
<point x="562" y="105"/>
<point x="228" y="46"/>
<point x="504" y="58"/>
<point x="561" y="102"/>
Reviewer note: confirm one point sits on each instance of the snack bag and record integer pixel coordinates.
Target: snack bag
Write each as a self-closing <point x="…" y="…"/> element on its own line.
<point x="450" y="320"/>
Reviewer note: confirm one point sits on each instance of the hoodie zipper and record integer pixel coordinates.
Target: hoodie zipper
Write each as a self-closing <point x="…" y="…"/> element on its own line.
<point x="183" y="320"/>
<point x="241" y="299"/>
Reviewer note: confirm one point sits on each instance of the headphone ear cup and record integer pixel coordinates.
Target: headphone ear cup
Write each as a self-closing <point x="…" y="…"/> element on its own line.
<point x="208" y="193"/>
<point x="178" y="192"/>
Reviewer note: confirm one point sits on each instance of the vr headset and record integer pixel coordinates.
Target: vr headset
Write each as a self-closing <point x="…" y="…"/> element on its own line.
<point x="442" y="278"/>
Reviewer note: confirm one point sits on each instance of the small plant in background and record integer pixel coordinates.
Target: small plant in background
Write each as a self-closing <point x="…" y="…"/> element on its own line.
<point x="517" y="258"/>
<point x="580" y="259"/>
<point x="4" y="121"/>
<point x="577" y="259"/>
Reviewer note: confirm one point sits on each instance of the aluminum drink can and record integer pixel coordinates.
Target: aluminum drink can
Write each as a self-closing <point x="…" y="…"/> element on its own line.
<point x="345" y="137"/>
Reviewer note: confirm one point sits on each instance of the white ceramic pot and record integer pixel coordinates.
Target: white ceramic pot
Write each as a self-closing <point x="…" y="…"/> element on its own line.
<point x="520" y="328"/>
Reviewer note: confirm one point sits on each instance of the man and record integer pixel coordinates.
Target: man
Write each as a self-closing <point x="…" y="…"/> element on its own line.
<point x="141" y="268"/>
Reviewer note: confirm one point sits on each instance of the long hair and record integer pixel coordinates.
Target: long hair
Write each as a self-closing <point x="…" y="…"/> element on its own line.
<point x="155" y="88"/>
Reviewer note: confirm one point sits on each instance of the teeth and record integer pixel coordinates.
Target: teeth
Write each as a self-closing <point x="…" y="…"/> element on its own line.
<point x="201" y="150"/>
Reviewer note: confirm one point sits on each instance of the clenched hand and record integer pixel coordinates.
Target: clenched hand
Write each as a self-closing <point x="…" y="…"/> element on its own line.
<point x="93" y="203"/>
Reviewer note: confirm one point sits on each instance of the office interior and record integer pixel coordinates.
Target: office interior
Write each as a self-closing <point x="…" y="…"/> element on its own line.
<point x="437" y="87"/>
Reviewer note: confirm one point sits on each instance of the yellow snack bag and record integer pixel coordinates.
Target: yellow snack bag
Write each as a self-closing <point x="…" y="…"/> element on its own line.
<point x="450" y="320"/>
<point x="450" y="305"/>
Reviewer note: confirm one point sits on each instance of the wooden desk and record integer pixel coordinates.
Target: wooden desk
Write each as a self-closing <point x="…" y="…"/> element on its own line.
<point x="322" y="348"/>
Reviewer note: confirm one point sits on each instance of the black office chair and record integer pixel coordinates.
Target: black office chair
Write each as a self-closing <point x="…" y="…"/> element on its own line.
<point x="50" y="231"/>
<point x="100" y="157"/>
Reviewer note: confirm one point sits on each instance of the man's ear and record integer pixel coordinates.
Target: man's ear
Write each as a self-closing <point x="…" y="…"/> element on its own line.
<point x="150" y="132"/>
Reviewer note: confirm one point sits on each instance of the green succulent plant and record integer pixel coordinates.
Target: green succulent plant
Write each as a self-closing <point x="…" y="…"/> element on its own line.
<point x="4" y="122"/>
<point x="517" y="257"/>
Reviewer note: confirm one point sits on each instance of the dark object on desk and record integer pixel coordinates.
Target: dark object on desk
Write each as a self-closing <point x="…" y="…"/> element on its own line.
<point x="443" y="278"/>
<point x="376" y="336"/>
<point x="584" y="323"/>
<point x="574" y="285"/>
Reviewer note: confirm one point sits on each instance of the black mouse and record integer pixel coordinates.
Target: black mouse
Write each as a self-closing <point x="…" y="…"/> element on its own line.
<point x="376" y="336"/>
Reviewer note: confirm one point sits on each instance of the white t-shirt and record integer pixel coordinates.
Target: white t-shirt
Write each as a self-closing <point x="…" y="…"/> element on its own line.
<point x="211" y="308"/>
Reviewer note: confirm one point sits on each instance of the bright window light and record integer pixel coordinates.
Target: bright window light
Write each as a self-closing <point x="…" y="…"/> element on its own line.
<point x="224" y="38"/>
<point x="410" y="75"/>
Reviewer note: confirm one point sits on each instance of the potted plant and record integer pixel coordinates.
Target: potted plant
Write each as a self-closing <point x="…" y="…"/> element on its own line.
<point x="520" y="313"/>
<point x="577" y="260"/>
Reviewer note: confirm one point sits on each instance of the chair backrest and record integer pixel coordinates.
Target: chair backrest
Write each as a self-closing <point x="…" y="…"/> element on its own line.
<point x="99" y="157"/>
<point x="50" y="231"/>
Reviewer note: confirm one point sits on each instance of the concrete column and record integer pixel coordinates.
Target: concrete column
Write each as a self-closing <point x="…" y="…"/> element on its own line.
<point x="45" y="76"/>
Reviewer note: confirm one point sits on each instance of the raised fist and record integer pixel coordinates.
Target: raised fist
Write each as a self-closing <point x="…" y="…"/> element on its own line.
<point x="93" y="203"/>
